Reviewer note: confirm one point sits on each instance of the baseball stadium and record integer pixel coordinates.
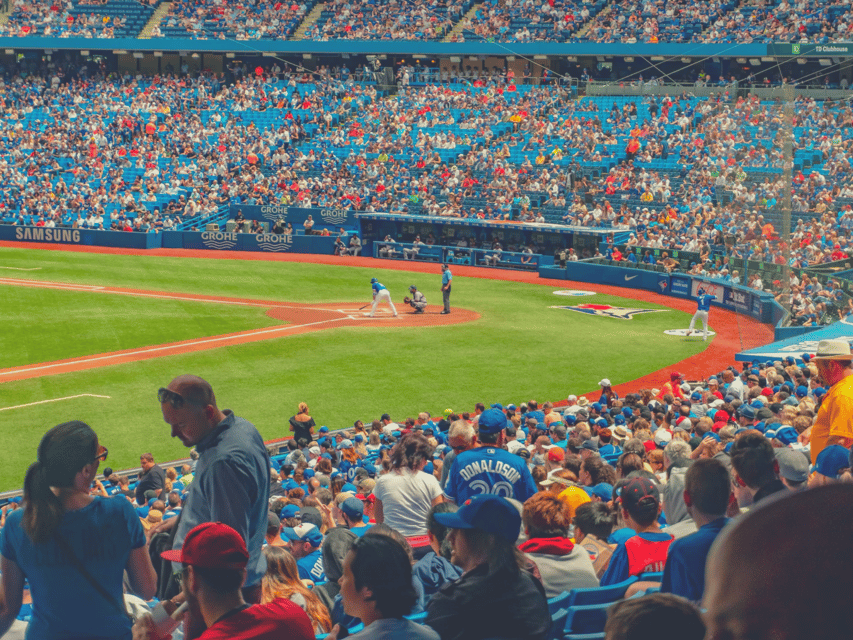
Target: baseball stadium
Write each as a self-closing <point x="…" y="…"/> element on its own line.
<point x="585" y="253"/>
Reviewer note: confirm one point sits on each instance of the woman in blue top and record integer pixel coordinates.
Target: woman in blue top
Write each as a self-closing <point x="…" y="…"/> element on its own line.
<point x="60" y="518"/>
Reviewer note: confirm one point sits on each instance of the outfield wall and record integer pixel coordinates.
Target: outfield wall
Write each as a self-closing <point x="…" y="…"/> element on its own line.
<point x="757" y="304"/>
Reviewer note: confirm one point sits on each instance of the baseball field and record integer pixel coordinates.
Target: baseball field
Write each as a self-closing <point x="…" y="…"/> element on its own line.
<point x="92" y="336"/>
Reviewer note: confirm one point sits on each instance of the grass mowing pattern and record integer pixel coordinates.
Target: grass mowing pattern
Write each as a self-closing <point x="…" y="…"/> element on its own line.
<point x="51" y="324"/>
<point x="520" y="349"/>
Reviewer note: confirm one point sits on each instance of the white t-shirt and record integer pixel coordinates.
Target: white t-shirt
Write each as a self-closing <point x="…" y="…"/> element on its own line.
<point x="406" y="499"/>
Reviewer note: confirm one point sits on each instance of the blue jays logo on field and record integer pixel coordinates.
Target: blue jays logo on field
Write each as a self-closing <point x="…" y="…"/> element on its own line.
<point x="622" y="313"/>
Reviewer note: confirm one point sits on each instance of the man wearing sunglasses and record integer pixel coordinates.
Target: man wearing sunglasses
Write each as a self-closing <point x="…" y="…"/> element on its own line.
<point x="232" y="478"/>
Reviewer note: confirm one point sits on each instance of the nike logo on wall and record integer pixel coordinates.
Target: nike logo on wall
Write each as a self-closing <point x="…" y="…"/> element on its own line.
<point x="627" y="278"/>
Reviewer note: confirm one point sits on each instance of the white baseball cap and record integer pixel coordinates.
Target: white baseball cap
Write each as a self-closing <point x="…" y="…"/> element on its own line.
<point x="604" y="382"/>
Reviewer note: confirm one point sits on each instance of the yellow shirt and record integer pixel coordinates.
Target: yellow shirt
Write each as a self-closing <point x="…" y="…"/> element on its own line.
<point x="835" y="416"/>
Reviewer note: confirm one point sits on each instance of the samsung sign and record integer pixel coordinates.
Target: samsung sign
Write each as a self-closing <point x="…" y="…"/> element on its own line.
<point x="42" y="234"/>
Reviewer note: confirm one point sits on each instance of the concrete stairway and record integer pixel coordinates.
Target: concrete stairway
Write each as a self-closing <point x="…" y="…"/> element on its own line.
<point x="309" y="21"/>
<point x="458" y="28"/>
<point x="156" y="18"/>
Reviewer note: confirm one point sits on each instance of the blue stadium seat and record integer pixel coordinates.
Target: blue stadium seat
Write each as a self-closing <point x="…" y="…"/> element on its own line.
<point x="587" y="618"/>
<point x="600" y="595"/>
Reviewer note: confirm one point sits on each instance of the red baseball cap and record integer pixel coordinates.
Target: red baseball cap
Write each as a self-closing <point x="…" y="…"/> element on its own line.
<point x="675" y="375"/>
<point x="211" y="545"/>
<point x="556" y="454"/>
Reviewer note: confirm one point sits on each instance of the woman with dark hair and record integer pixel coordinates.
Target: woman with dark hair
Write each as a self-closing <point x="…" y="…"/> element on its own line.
<point x="282" y="581"/>
<point x="495" y="597"/>
<point x="405" y="494"/>
<point x="435" y="569"/>
<point x="72" y="547"/>
<point x="376" y="586"/>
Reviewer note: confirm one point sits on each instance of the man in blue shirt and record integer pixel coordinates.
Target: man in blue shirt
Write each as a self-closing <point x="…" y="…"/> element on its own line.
<point x="305" y="543"/>
<point x="232" y="479"/>
<point x="707" y="488"/>
<point x="489" y="468"/>
<point x="446" y="281"/>
<point x="703" y="305"/>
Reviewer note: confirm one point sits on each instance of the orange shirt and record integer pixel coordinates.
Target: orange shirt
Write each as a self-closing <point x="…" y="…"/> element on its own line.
<point x="835" y="417"/>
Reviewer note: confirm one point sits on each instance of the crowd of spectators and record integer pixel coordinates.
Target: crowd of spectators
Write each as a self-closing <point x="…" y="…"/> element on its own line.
<point x="438" y="520"/>
<point x="248" y="20"/>
<point x="86" y="149"/>
<point x="386" y="20"/>
<point x="505" y="21"/>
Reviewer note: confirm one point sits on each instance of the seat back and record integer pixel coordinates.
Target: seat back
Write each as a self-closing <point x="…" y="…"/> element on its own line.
<point x="600" y="595"/>
<point x="558" y="624"/>
<point x="587" y="618"/>
<point x="558" y="602"/>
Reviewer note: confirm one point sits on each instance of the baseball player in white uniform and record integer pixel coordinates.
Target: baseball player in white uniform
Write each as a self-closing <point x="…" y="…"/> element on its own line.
<point x="380" y="293"/>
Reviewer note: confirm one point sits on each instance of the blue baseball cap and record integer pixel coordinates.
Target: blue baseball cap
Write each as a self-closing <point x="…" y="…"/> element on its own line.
<point x="695" y="396"/>
<point x="290" y="511"/>
<point x="747" y="412"/>
<point x="492" y="421"/>
<point x="324" y="429"/>
<point x="819" y="392"/>
<point x="603" y="491"/>
<point x="428" y="468"/>
<point x="308" y="473"/>
<point x="801" y="391"/>
<point x="596" y="406"/>
<point x="756" y="404"/>
<point x="498" y="406"/>
<point x="358" y="438"/>
<point x="353" y="507"/>
<point x="511" y="407"/>
<point x="492" y="514"/>
<point x="786" y="435"/>
<point x="806" y="357"/>
<point x="571" y="419"/>
<point x="790" y="360"/>
<point x="619" y="419"/>
<point x="713" y="435"/>
<point x="831" y="460"/>
<point x="305" y="532"/>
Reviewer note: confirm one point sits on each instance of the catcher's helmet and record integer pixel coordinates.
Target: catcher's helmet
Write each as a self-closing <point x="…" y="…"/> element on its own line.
<point x="413" y="288"/>
<point x="372" y="280"/>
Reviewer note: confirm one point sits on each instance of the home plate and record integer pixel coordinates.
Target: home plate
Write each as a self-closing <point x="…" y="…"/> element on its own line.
<point x="697" y="333"/>
<point x="574" y="292"/>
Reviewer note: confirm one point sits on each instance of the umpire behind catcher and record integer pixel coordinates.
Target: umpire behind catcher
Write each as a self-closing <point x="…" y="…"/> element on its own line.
<point x="418" y="301"/>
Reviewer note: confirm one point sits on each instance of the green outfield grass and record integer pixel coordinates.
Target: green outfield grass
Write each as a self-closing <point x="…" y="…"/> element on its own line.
<point x="518" y="350"/>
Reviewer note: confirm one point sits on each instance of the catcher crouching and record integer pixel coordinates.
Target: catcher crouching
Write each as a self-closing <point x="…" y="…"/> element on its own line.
<point x="417" y="301"/>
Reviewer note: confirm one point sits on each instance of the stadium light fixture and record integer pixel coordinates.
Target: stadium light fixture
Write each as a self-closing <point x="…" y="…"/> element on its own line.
<point x="82" y="53"/>
<point x="628" y="58"/>
<point x="755" y="62"/>
<point x="266" y="54"/>
<point x="767" y="59"/>
<point x="10" y="52"/>
<point x="573" y="58"/>
<point x="510" y="58"/>
<point x="138" y="55"/>
<point x="456" y="59"/>
<point x="540" y="57"/>
<point x="825" y="62"/>
<point x="306" y="56"/>
<point x="741" y="60"/>
<point x="657" y="58"/>
<point x="195" y="55"/>
<point x="801" y="60"/>
<point x="419" y="56"/>
<point x="685" y="61"/>
<point x="120" y="52"/>
<point x="158" y="54"/>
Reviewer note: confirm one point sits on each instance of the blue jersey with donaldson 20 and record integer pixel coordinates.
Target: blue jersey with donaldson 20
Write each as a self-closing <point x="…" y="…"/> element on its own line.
<point x="489" y="469"/>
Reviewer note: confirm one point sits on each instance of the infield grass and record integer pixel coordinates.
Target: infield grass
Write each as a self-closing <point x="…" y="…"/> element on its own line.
<point x="519" y="349"/>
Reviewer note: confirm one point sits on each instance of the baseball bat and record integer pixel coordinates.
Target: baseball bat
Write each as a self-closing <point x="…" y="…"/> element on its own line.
<point x="367" y="305"/>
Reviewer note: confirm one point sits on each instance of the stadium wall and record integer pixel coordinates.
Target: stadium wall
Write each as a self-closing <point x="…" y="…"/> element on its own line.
<point x="89" y="237"/>
<point x="757" y="304"/>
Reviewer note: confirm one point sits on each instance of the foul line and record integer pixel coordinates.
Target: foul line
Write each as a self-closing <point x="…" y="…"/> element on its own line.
<point x="21" y="269"/>
<point x="181" y="345"/>
<point x="142" y="294"/>
<point x="31" y="404"/>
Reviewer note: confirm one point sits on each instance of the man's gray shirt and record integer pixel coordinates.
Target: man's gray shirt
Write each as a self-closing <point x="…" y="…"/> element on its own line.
<point x="231" y="485"/>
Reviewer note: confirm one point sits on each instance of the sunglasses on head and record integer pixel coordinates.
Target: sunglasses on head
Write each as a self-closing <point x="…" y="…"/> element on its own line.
<point x="175" y="399"/>
<point x="102" y="454"/>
